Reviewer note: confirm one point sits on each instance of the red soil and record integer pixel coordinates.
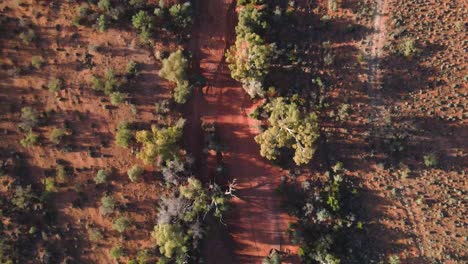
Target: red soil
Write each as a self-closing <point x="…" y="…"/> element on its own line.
<point x="257" y="223"/>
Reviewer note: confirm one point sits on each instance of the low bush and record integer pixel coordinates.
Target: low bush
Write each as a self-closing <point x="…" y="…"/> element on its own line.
<point x="30" y="139"/>
<point x="95" y="235"/>
<point x="101" y="177"/>
<point x="117" y="252"/>
<point x="132" y="69"/>
<point x="37" y="62"/>
<point x="55" y="85"/>
<point x="181" y="16"/>
<point x="108" y="205"/>
<point x="117" y="98"/>
<point x="50" y="185"/>
<point x="57" y="135"/>
<point x="121" y="224"/>
<point x="124" y="135"/>
<point x="407" y="48"/>
<point x="143" y="22"/>
<point x="135" y="173"/>
<point x="102" y="23"/>
<point x="29" y="118"/>
<point x="97" y="84"/>
<point x="61" y="174"/>
<point x="174" y="69"/>
<point x="431" y="160"/>
<point x="28" y="36"/>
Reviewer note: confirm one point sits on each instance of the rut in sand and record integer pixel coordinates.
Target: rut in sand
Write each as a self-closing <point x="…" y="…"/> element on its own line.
<point x="256" y="222"/>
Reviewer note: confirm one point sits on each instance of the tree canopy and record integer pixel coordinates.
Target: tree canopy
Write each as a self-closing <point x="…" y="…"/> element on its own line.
<point x="160" y="142"/>
<point x="288" y="128"/>
<point x="249" y="60"/>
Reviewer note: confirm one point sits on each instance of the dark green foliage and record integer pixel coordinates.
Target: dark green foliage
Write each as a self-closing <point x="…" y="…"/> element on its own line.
<point x="97" y="84"/>
<point x="105" y="5"/>
<point x="181" y="15"/>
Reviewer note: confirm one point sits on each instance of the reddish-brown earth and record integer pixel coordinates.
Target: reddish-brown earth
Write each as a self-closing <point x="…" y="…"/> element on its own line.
<point x="257" y="224"/>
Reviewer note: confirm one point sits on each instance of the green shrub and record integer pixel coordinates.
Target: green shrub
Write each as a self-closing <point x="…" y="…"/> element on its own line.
<point x="117" y="252"/>
<point x="142" y="256"/>
<point x="181" y="15"/>
<point x="49" y="184"/>
<point x="29" y="118"/>
<point x="132" y="69"/>
<point x="102" y="23"/>
<point x="124" y="135"/>
<point x="56" y="135"/>
<point x="135" y="173"/>
<point x="162" y="143"/>
<point x="30" y="139"/>
<point x="182" y="92"/>
<point x="170" y="239"/>
<point x="108" y="205"/>
<point x="274" y="258"/>
<point x="394" y="259"/>
<point x="111" y="82"/>
<point x="101" y="177"/>
<point x="37" y="62"/>
<point x="55" y="85"/>
<point x="333" y="5"/>
<point x="162" y="107"/>
<point x="143" y="21"/>
<point x="61" y="174"/>
<point x="121" y="224"/>
<point x="105" y="5"/>
<point x="137" y="3"/>
<point x="23" y="197"/>
<point x="117" y="98"/>
<point x="174" y="68"/>
<point x="95" y="235"/>
<point x="431" y="160"/>
<point x="28" y="36"/>
<point x="97" y="84"/>
<point x="408" y="48"/>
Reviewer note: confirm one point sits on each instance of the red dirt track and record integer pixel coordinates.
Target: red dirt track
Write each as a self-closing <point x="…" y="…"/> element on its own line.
<point x="256" y="222"/>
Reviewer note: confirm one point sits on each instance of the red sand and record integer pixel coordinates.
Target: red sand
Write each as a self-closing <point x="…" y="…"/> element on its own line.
<point x="256" y="224"/>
